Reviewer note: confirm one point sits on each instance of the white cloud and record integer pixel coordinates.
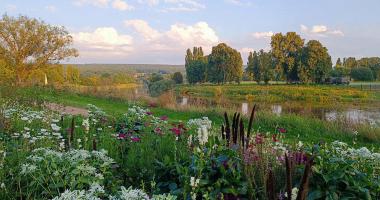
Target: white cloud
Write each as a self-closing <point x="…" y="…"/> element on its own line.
<point x="121" y="5"/>
<point x="320" y="30"/>
<point x="104" y="41"/>
<point x="175" y="5"/>
<point x="50" y="8"/>
<point x="239" y="2"/>
<point x="262" y="35"/>
<point x="149" y="2"/>
<point x="98" y="3"/>
<point x="177" y="38"/>
<point x="143" y="28"/>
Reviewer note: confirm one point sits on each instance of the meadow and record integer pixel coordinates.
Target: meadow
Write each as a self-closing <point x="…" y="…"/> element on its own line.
<point x="283" y="92"/>
<point x="140" y="150"/>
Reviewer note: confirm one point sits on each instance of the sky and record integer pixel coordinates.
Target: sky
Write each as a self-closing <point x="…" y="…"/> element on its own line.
<point x="160" y="31"/>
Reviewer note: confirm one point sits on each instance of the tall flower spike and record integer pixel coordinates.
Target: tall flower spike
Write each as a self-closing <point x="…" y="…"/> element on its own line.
<point x="242" y="134"/>
<point x="228" y="129"/>
<point x="250" y="123"/>
<point x="288" y="176"/>
<point x="304" y="185"/>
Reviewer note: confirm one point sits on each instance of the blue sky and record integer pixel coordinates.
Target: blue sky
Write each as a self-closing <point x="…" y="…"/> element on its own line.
<point x="159" y="31"/>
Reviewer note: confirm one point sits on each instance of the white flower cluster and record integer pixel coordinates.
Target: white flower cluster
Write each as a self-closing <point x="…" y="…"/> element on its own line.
<point x="137" y="112"/>
<point x="96" y="192"/>
<point x="342" y="149"/>
<point x="203" y="126"/>
<point x="95" y="113"/>
<point x="92" y="194"/>
<point x="80" y="160"/>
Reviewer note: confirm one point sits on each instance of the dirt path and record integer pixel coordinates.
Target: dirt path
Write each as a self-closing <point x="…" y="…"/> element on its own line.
<point x="67" y="109"/>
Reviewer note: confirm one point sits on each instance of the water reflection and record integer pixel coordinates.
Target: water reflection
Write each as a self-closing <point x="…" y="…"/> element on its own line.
<point x="244" y="108"/>
<point x="349" y="114"/>
<point x="276" y="109"/>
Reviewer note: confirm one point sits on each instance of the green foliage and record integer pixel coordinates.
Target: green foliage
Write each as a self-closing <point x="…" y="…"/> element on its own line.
<point x="225" y="65"/>
<point x="157" y="85"/>
<point x="343" y="172"/>
<point x="196" y="66"/>
<point x="317" y="62"/>
<point x="362" y="74"/>
<point x="41" y="44"/>
<point x="177" y="78"/>
<point x="286" y="51"/>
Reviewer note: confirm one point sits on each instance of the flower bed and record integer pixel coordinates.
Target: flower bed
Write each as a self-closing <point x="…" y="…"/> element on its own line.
<point x="46" y="155"/>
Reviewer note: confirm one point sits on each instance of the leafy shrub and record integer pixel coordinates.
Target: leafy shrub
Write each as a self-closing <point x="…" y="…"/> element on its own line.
<point x="362" y="74"/>
<point x="47" y="172"/>
<point x="159" y="87"/>
<point x="343" y="172"/>
<point x="177" y="78"/>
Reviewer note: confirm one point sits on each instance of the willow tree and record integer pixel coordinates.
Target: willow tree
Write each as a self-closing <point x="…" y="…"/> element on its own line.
<point x="27" y="44"/>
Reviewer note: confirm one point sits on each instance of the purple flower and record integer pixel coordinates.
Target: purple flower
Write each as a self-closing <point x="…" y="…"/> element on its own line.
<point x="164" y="118"/>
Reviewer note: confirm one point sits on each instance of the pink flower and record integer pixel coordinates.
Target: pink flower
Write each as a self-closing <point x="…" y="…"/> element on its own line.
<point x="121" y="136"/>
<point x="176" y="131"/>
<point x="259" y="139"/>
<point x="164" y="118"/>
<point x="135" y="139"/>
<point x="158" y="130"/>
<point x="281" y="130"/>
<point x="152" y="105"/>
<point x="149" y="113"/>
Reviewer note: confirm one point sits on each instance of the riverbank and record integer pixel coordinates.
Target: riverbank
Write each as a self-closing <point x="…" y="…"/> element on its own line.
<point x="320" y="94"/>
<point x="297" y="127"/>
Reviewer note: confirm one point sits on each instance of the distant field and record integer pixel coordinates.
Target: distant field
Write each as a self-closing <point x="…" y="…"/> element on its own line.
<point x="128" y="68"/>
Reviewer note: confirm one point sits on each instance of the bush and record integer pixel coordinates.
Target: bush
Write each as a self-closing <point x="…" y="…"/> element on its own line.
<point x="159" y="87"/>
<point x="177" y="78"/>
<point x="362" y="74"/>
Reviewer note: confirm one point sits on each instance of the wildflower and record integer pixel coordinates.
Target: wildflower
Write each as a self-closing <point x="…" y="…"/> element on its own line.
<point x="2" y="186"/>
<point x="282" y="130"/>
<point x="164" y="118"/>
<point x="149" y="113"/>
<point x="158" y="130"/>
<point x="86" y="125"/>
<point x="176" y="131"/>
<point x="121" y="136"/>
<point x="28" y="168"/>
<point x="194" y="182"/>
<point x="135" y="139"/>
<point x="259" y="139"/>
<point x="55" y="127"/>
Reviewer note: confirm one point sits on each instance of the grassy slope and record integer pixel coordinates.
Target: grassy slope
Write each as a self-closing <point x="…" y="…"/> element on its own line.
<point x="299" y="128"/>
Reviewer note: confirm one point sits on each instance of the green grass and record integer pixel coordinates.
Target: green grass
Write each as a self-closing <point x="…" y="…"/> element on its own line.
<point x="298" y="127"/>
<point x="321" y="94"/>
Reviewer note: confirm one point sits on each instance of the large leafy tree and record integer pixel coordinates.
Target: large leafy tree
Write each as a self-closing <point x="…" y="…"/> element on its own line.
<point x="196" y="65"/>
<point x="266" y="66"/>
<point x="27" y="44"/>
<point x="318" y="61"/>
<point x="350" y="62"/>
<point x="286" y="49"/>
<point x="225" y="64"/>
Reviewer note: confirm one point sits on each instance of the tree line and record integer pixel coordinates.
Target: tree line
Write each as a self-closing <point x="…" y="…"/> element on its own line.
<point x="364" y="69"/>
<point x="289" y="59"/>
